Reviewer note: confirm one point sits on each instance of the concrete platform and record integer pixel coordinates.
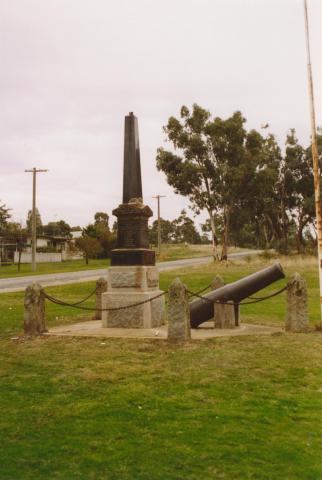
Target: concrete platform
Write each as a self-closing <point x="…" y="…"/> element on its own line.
<point x="94" y="328"/>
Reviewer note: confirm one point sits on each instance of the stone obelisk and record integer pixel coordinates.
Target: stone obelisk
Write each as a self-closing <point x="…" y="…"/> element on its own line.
<point x="132" y="183"/>
<point x="133" y="276"/>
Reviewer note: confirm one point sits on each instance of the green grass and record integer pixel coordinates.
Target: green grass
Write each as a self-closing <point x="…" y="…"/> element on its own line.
<point x="168" y="252"/>
<point x="10" y="271"/>
<point x="270" y="312"/>
<point x="239" y="408"/>
<point x="227" y="408"/>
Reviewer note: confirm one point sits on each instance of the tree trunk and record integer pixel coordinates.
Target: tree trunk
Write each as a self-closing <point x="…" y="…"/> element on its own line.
<point x="214" y="236"/>
<point x="224" y="250"/>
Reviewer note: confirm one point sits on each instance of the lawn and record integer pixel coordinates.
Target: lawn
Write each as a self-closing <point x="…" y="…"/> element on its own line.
<point x="10" y="271"/>
<point x="232" y="408"/>
<point x="168" y="252"/>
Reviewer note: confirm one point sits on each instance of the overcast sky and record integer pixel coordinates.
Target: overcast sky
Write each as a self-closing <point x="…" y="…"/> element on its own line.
<point x="72" y="69"/>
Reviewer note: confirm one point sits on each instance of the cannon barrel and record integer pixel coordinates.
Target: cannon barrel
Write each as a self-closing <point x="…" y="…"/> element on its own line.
<point x="201" y="310"/>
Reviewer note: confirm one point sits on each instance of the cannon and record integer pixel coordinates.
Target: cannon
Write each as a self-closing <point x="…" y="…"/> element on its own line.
<point x="202" y="310"/>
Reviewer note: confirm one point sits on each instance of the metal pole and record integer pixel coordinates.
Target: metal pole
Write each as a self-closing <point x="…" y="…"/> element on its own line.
<point x="315" y="157"/>
<point x="159" y="222"/>
<point x="34" y="222"/>
<point x="34" y="172"/>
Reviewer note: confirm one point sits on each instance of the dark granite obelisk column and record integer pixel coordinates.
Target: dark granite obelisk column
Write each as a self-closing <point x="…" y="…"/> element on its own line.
<point x="132" y="216"/>
<point x="132" y="183"/>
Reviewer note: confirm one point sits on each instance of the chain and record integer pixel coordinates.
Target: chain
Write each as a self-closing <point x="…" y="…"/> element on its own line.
<point x="254" y="300"/>
<point x="191" y="294"/>
<point x="61" y="302"/>
<point x="112" y="309"/>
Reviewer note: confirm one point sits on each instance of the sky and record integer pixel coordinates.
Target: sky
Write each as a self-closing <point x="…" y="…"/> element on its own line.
<point x="72" y="69"/>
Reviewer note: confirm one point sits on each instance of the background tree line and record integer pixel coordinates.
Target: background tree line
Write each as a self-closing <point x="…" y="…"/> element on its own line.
<point x="255" y="193"/>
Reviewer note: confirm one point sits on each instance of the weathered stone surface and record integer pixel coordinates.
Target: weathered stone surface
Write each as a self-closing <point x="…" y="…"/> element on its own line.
<point x="101" y="287"/>
<point x="132" y="224"/>
<point x="146" y="315"/>
<point x="224" y="314"/>
<point x="178" y="312"/>
<point x="34" y="310"/>
<point x="152" y="277"/>
<point x="297" y="318"/>
<point x="133" y="277"/>
<point x="217" y="282"/>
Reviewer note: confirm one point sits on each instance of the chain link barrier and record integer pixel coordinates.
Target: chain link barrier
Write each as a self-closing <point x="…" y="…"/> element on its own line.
<point x="190" y="294"/>
<point x="92" y="309"/>
<point x="253" y="299"/>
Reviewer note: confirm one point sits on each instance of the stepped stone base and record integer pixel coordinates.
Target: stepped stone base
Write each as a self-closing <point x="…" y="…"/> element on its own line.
<point x="127" y="285"/>
<point x="147" y="315"/>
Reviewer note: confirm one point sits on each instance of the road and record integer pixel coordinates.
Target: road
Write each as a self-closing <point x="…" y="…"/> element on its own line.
<point x="20" y="283"/>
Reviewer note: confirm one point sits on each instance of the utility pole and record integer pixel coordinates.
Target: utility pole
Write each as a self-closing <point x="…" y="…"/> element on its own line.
<point x="34" y="172"/>
<point x="159" y="222"/>
<point x="315" y="156"/>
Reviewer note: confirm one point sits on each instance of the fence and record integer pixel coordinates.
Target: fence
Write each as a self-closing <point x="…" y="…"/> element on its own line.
<point x="297" y="320"/>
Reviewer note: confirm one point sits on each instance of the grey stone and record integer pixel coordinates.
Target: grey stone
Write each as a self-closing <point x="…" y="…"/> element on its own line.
<point x="101" y="287"/>
<point x="217" y="282"/>
<point x="34" y="310"/>
<point x="297" y="318"/>
<point x="133" y="277"/>
<point x="178" y="312"/>
<point x="224" y="316"/>
<point x="147" y="315"/>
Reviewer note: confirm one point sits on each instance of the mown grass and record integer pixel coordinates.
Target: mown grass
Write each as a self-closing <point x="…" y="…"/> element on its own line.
<point x="231" y="408"/>
<point x="238" y="408"/>
<point x="270" y="312"/>
<point x="168" y="252"/>
<point x="11" y="271"/>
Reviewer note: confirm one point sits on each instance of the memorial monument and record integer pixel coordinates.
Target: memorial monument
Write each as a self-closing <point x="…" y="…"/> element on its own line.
<point x="133" y="276"/>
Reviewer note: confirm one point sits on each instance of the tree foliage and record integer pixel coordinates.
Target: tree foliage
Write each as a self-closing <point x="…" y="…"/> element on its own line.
<point x="255" y="194"/>
<point x="4" y="217"/>
<point x="90" y="247"/>
<point x="39" y="227"/>
<point x="60" y="228"/>
<point x="99" y="230"/>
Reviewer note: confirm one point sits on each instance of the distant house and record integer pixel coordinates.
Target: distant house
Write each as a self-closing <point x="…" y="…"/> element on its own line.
<point x="48" y="243"/>
<point x="49" y="249"/>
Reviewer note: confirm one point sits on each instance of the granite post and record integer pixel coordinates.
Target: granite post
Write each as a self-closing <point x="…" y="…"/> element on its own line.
<point x="297" y="318"/>
<point x="101" y="287"/>
<point x="224" y="316"/>
<point x="178" y="313"/>
<point x="34" y="310"/>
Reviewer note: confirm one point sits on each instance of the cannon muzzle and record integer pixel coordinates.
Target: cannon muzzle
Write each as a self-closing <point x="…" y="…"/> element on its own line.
<point x="201" y="311"/>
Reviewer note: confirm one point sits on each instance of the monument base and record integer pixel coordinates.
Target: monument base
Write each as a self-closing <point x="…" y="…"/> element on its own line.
<point x="128" y="285"/>
<point x="146" y="315"/>
<point x="132" y="257"/>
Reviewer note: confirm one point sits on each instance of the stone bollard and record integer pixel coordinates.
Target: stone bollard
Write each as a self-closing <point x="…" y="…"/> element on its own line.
<point x="101" y="287"/>
<point x="34" y="310"/>
<point x="224" y="313"/>
<point x="178" y="313"/>
<point x="297" y="319"/>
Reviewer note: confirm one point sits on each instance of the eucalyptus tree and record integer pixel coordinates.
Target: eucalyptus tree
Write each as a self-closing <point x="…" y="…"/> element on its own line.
<point x="213" y="162"/>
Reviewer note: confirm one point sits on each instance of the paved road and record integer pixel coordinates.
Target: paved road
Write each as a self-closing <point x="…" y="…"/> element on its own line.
<point x="20" y="283"/>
